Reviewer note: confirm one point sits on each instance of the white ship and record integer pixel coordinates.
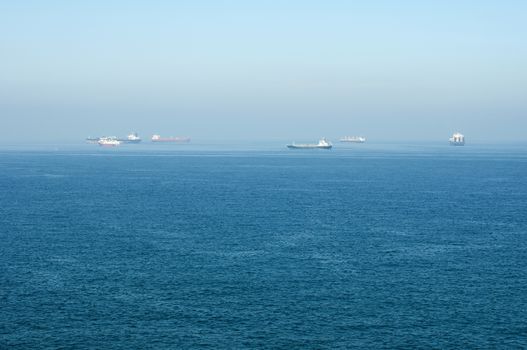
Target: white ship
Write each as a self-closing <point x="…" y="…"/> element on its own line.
<point x="323" y="144"/>
<point x="354" y="139"/>
<point x="457" y="139"/>
<point x="108" y="142"/>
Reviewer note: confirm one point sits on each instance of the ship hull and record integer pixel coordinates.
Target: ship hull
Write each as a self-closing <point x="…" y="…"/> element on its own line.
<point x="128" y="141"/>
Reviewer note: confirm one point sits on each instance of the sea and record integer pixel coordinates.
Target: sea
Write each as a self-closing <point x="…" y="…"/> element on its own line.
<point x="370" y="246"/>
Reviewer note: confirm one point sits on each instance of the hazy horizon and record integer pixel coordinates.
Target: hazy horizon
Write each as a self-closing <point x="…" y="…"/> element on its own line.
<point x="297" y="71"/>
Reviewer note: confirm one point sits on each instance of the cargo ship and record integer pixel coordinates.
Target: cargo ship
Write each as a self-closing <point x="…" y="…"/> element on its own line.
<point x="353" y="139"/>
<point x="132" y="138"/>
<point x="323" y="144"/>
<point x="457" y="139"/>
<point x="177" y="139"/>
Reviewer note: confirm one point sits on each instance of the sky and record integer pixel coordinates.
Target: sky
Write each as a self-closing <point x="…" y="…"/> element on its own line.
<point x="295" y="70"/>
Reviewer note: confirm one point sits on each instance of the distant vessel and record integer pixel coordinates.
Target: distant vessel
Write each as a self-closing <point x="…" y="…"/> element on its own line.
<point x="180" y="139"/>
<point x="323" y="143"/>
<point x="108" y="142"/>
<point x="92" y="139"/>
<point x="457" y="139"/>
<point x="132" y="138"/>
<point x="354" y="139"/>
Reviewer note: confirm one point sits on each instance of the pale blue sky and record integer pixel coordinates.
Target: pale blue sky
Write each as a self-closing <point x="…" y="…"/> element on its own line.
<point x="415" y="70"/>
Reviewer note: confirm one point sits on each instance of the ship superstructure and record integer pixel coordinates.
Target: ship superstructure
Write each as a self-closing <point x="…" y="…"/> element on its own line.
<point x="457" y="139"/>
<point x="131" y="138"/>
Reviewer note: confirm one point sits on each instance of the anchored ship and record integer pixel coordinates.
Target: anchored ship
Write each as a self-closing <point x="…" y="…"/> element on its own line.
<point x="179" y="139"/>
<point x="323" y="144"/>
<point x="354" y="139"/>
<point x="457" y="139"/>
<point x="132" y="138"/>
<point x="108" y="142"/>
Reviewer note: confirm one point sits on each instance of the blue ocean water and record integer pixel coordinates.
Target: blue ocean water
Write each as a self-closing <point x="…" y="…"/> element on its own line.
<point x="366" y="246"/>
